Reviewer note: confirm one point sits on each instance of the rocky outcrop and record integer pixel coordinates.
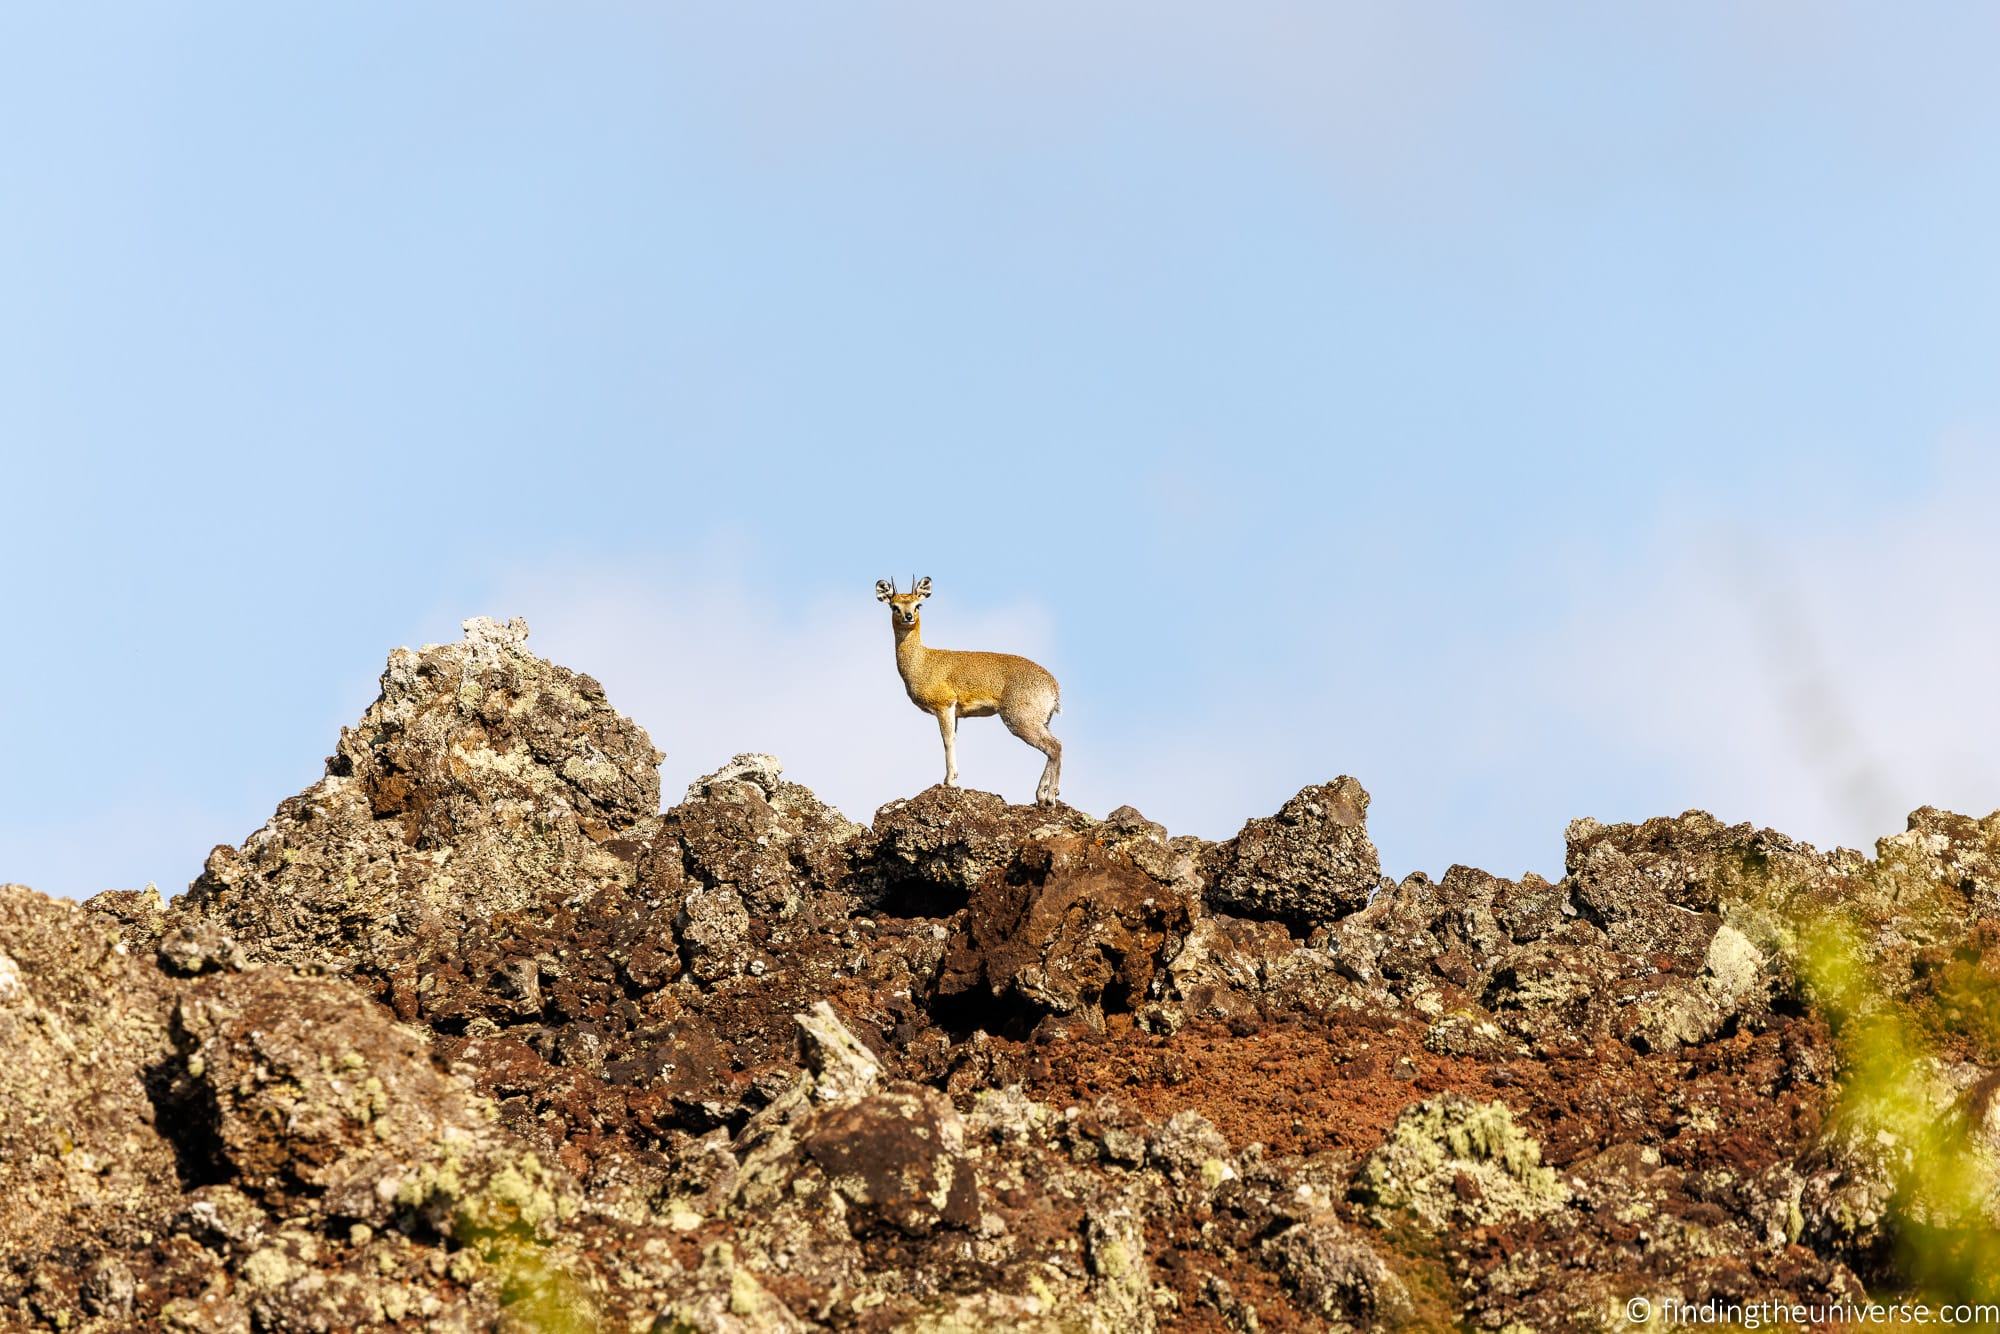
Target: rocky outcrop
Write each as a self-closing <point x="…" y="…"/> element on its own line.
<point x="482" y="779"/>
<point x="472" y="1035"/>
<point x="1068" y="927"/>
<point x="768" y="843"/>
<point x="247" y="1150"/>
<point x="1309" y="865"/>
<point x="280" y="1086"/>
<point x="930" y="851"/>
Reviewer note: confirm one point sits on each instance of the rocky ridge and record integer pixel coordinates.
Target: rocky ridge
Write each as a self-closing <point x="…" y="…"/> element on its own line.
<point x="473" y="1035"/>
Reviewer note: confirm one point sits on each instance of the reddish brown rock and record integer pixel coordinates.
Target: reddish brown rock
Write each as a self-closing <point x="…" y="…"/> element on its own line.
<point x="289" y="1090"/>
<point x="897" y="1158"/>
<point x="1068" y="925"/>
<point x="927" y="853"/>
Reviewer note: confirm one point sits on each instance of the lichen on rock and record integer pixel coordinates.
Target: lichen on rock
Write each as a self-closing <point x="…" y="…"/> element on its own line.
<point x="1453" y="1160"/>
<point x="480" y="778"/>
<point x="1309" y="865"/>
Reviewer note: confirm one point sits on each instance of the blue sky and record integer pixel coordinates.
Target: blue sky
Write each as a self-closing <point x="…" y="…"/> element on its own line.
<point x="1535" y="413"/>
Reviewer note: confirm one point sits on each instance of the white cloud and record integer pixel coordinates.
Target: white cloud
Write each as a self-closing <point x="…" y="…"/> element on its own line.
<point x="1824" y="682"/>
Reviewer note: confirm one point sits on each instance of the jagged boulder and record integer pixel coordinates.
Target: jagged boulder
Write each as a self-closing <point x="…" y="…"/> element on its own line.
<point x="1309" y="865"/>
<point x="1451" y="932"/>
<point x="1336" y="1274"/>
<point x="928" y="852"/>
<point x="841" y="1160"/>
<point x="1711" y="907"/>
<point x="1067" y="926"/>
<point x="1172" y="860"/>
<point x="897" y="1158"/>
<point x="756" y="865"/>
<point x="1928" y="906"/>
<point x="1225" y="968"/>
<point x="320" y="1112"/>
<point x="139" y="916"/>
<point x="481" y="779"/>
<point x="245" y="1149"/>
<point x="1940" y="850"/>
<point x="285" y="1087"/>
<point x="772" y="842"/>
<point x="1661" y="891"/>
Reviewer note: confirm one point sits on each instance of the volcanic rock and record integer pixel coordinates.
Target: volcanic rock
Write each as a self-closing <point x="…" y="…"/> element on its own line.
<point x="932" y="849"/>
<point x="1454" y="1161"/>
<point x="472" y="1036"/>
<point x="1069" y="925"/>
<point x="84" y="1169"/>
<point x="1308" y="865"/>
<point x="480" y="780"/>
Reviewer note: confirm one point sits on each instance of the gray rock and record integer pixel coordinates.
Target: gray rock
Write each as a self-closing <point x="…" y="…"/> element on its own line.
<point x="1310" y="864"/>
<point x="1337" y="1274"/>
<point x="481" y="778"/>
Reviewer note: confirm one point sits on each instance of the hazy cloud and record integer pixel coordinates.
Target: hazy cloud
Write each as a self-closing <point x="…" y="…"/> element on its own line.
<point x="1824" y="678"/>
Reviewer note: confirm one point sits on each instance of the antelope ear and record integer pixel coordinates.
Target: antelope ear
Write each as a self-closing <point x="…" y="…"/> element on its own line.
<point x="884" y="590"/>
<point x="922" y="588"/>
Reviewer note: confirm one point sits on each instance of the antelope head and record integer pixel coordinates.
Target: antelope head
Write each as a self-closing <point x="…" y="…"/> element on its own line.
<point x="903" y="606"/>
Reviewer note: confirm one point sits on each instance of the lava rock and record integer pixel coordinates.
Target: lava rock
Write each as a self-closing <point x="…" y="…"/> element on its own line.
<point x="1337" y="1274"/>
<point x="772" y="842"/>
<point x="481" y="779"/>
<point x="84" y="1169"/>
<point x="1068" y="926"/>
<point x="927" y="853"/>
<point x="288" y="1088"/>
<point x="897" y="1159"/>
<point x="1310" y="864"/>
